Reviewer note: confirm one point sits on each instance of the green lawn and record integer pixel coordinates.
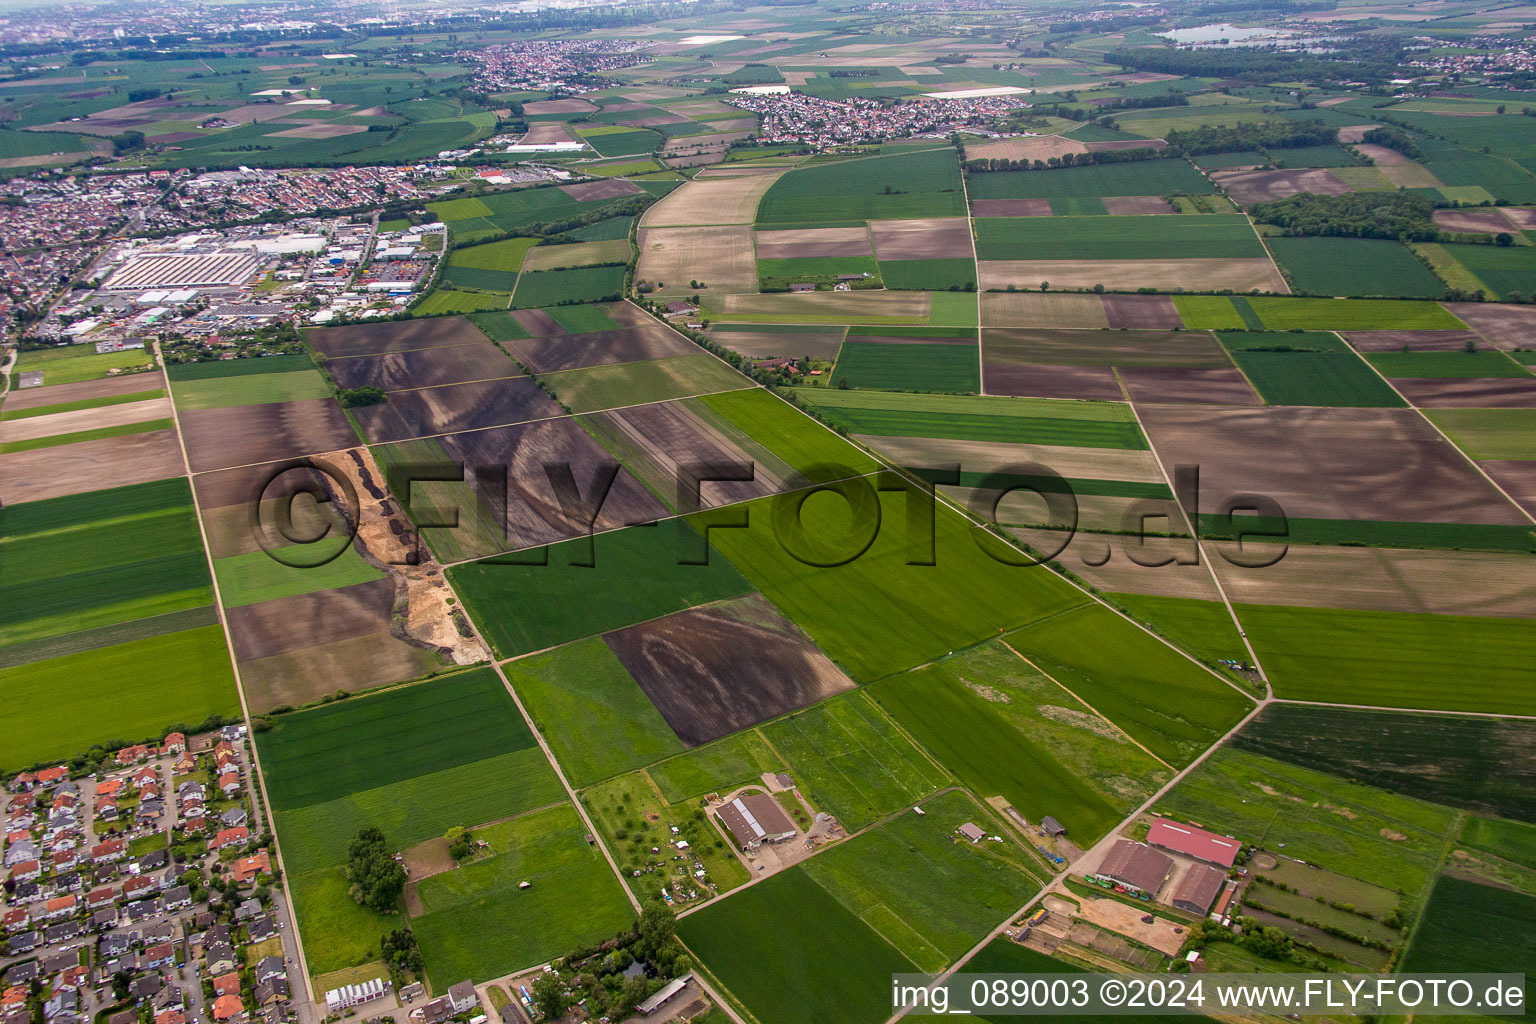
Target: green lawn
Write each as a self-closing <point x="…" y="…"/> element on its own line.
<point x="909" y="367"/>
<point x="878" y="614"/>
<point x="1490" y="433"/>
<point x="1354" y="266"/>
<point x="1116" y="238"/>
<point x="714" y="767"/>
<point x="447" y="300"/>
<point x="1018" y="420"/>
<point x="59" y="707"/>
<point x="1006" y="730"/>
<point x="591" y="712"/>
<point x="657" y="380"/>
<point x="1203" y="628"/>
<point x="631" y="575"/>
<point x="573" y="899"/>
<point x="1394" y="659"/>
<point x="1172" y="706"/>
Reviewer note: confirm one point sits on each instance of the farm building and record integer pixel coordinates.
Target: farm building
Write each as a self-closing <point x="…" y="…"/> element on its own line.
<point x="1198" y="889"/>
<point x="755" y="819"/>
<point x="1194" y="842"/>
<point x="664" y="995"/>
<point x="970" y="830"/>
<point x="1052" y="827"/>
<point x="1136" y="866"/>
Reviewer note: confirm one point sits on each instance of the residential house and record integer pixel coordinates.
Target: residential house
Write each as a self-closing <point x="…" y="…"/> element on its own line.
<point x="247" y="868"/>
<point x="228" y="1008"/>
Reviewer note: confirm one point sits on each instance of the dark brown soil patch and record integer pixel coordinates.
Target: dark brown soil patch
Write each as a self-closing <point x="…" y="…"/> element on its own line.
<point x="1142" y="312"/>
<point x="454" y="407"/>
<point x="1011" y="207"/>
<point x="1501" y="326"/>
<point x="423" y="368"/>
<point x="1036" y="381"/>
<point x="1130" y="206"/>
<point x="309" y="620"/>
<point x="245" y="434"/>
<point x="1414" y="341"/>
<point x="395" y="336"/>
<point x="1199" y="387"/>
<point x="608" y="188"/>
<point x="1470" y="392"/>
<point x="1248" y="187"/>
<point x="574" y="351"/>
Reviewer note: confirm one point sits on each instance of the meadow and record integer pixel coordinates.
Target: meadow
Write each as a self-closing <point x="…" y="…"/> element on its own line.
<point x="1394" y="659"/>
<point x="1323" y="820"/>
<point x="878" y="613"/>
<point x="71" y="364"/>
<point x="851" y="761"/>
<point x="1116" y="238"/>
<point x="1373" y="267"/>
<point x="1136" y="178"/>
<point x="583" y="587"/>
<point x="1514" y="841"/>
<point x="448" y="300"/>
<point x="929" y="275"/>
<point x="590" y="711"/>
<point x="756" y="417"/>
<point x="1016" y="420"/>
<point x="1203" y="628"/>
<point x="715" y="767"/>
<point x="910" y="367"/>
<point x="249" y="389"/>
<point x="573" y="899"/>
<point x="1006" y="730"/>
<point x="1167" y="702"/>
<point x="1472" y="927"/>
<point x="257" y="576"/>
<point x="490" y="267"/>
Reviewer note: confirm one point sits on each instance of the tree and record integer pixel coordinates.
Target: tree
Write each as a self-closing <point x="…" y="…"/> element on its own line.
<point x="351" y="398"/>
<point x="549" y="996"/>
<point x="657" y="926"/>
<point x="377" y="879"/>
<point x="1503" y="238"/>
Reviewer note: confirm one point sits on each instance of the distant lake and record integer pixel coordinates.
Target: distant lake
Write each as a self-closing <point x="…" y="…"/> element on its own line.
<point x="1206" y="34"/>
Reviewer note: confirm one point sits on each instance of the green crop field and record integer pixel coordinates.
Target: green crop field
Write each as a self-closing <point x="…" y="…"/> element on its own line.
<point x="878" y="614"/>
<point x="74" y="363"/>
<point x="1321" y="819"/>
<point x="1116" y="238"/>
<point x="75" y="437"/>
<point x="1203" y="628"/>
<point x="580" y="319"/>
<point x="499" y="326"/>
<point x="1172" y="706"/>
<point x="585" y="587"/>
<point x="1459" y="760"/>
<point x="1078" y="206"/>
<point x="579" y="284"/>
<point x="657" y="380"/>
<point x="1136" y="178"/>
<point x="910" y="367"/>
<point x="1018" y="420"/>
<point x="1282" y="314"/>
<point x="85" y="403"/>
<point x="851" y="761"/>
<point x="715" y="767"/>
<point x="1506" y="269"/>
<point x="944" y="894"/>
<point x="1211" y="313"/>
<point x="178" y="372"/>
<point x="757" y="418"/>
<point x="591" y="712"/>
<point x="1354" y="266"/>
<point x="574" y="899"/>
<point x="1377" y="533"/>
<point x="1472" y="927"/>
<point x="249" y="389"/>
<point x="258" y="576"/>
<point x="929" y="275"/>
<point x="896" y="186"/>
<point x="1490" y="433"/>
<point x="1446" y="364"/>
<point x="448" y="300"/>
<point x="61" y="706"/>
<point x="490" y="267"/>
<point x="456" y="720"/>
<point x="1006" y="730"/>
<point x="1307" y="369"/>
<point x="1514" y="841"/>
<point x="625" y="142"/>
<point x="741" y="941"/>
<point x="1394" y="659"/>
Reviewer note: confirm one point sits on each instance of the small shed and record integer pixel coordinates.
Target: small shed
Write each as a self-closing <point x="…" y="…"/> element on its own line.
<point x="973" y="832"/>
<point x="1052" y="827"/>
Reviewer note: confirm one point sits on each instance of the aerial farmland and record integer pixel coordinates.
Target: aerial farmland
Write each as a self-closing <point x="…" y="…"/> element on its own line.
<point x="687" y="512"/>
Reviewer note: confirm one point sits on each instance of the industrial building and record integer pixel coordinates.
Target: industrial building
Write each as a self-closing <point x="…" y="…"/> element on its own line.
<point x="755" y="819"/>
<point x="184" y="270"/>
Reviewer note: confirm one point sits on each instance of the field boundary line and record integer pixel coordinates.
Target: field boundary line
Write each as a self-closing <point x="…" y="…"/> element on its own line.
<point x="1099" y="714"/>
<point x="234" y="666"/>
<point x="1436" y="428"/>
<point x="1210" y="569"/>
<point x="1411" y="711"/>
<point x="886" y="716"/>
<point x="970" y="231"/>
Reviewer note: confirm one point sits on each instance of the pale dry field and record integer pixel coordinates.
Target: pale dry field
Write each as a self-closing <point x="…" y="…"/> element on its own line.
<point x="1041" y="148"/>
<point x="1399" y="169"/>
<point x="1488" y="583"/>
<point x="715" y="201"/>
<point x="989" y="456"/>
<point x="545" y="133"/>
<point x="922" y="239"/>
<point x="579" y="254"/>
<point x="33" y="427"/>
<point x="1041" y="309"/>
<point x="807" y="242"/>
<point x="1237" y="274"/>
<point x="720" y="257"/>
<point x="907" y="305"/>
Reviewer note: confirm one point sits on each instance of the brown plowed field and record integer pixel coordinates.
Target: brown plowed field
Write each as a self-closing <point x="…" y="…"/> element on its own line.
<point x="240" y="435"/>
<point x="804" y="243"/>
<point x="358" y="663"/>
<point x="1126" y="206"/>
<point x="1248" y="187"/>
<point x="571" y="105"/>
<point x="1517" y="478"/>
<point x="1238" y="274"/>
<point x="1386" y="464"/>
<point x="608" y="188"/>
<point x="106" y="387"/>
<point x="717" y="670"/>
<point x="1042" y="310"/>
<point x="1011" y="207"/>
<point x="1199" y="387"/>
<point x="899" y="339"/>
<point x="768" y="344"/>
<point x="89" y="466"/>
<point x="1103" y="348"/>
<point x="1470" y="392"/>
<point x="1487" y="221"/>
<point x="1502" y="326"/>
<point x="576" y="351"/>
<point x="534" y="514"/>
<point x="1042" y="147"/>
<point x="423" y="368"/>
<point x="1416" y="341"/>
<point x="395" y="336"/>
<point x="1102" y="512"/>
<point x="1142" y="312"/>
<point x="1123" y="576"/>
<point x="1031" y="380"/>
<point x="308" y="620"/>
<point x="537" y="322"/>
<point x="455" y="407"/>
<point x="924" y="239"/>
